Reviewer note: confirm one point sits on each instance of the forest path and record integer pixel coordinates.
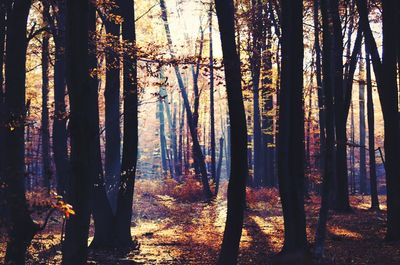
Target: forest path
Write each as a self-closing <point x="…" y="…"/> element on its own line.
<point x="175" y="232"/>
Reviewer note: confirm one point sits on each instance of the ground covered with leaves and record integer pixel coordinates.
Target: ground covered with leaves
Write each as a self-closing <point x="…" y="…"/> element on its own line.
<point x="173" y="226"/>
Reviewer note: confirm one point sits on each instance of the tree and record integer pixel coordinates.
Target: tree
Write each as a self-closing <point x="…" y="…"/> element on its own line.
<point x="291" y="132"/>
<point x="363" y="166"/>
<point x="47" y="174"/>
<point x="84" y="132"/>
<point x="385" y="73"/>
<point x="22" y="227"/>
<point x="371" y="136"/>
<point x="238" y="135"/>
<point x="112" y="159"/>
<point x="130" y="126"/>
<point x="212" y="114"/>
<point x="60" y="141"/>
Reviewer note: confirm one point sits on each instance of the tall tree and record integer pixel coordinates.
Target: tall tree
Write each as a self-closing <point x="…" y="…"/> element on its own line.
<point x="361" y="98"/>
<point x="320" y="91"/>
<point x="47" y="174"/>
<point x="2" y="46"/>
<point x="385" y="73"/>
<point x="238" y="134"/>
<point x="371" y="136"/>
<point x="212" y="112"/>
<point x="291" y="131"/>
<point x="329" y="152"/>
<point x="84" y="132"/>
<point x="22" y="227"/>
<point x="130" y="126"/>
<point x="60" y="141"/>
<point x="112" y="159"/>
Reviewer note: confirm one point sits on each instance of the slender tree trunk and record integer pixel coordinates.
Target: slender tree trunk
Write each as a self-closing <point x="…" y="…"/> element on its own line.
<point x="219" y="166"/>
<point x="130" y="144"/>
<point x="361" y="88"/>
<point x="291" y="132"/>
<point x="163" y="142"/>
<point x="371" y="136"/>
<point x="341" y="195"/>
<point x="84" y="133"/>
<point x="60" y="117"/>
<point x="47" y="174"/>
<point x="2" y="113"/>
<point x="212" y="114"/>
<point x="102" y="209"/>
<point x="22" y="226"/>
<point x="112" y="160"/>
<point x="328" y="175"/>
<point x="320" y="91"/>
<point x="238" y="133"/>
<point x="267" y="95"/>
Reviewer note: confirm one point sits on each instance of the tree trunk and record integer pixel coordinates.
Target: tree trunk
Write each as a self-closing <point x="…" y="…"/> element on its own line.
<point x="385" y="74"/>
<point x="112" y="160"/>
<point x="102" y="209"/>
<point x="2" y="113"/>
<point x="371" y="136"/>
<point x="22" y="226"/>
<point x="238" y="134"/>
<point x="60" y="116"/>
<point x="361" y="98"/>
<point x="329" y="153"/>
<point x="291" y="132"/>
<point x="84" y="133"/>
<point x="267" y="96"/>
<point x="130" y="136"/>
<point x="212" y="114"/>
<point x="47" y="174"/>
<point x="320" y="91"/>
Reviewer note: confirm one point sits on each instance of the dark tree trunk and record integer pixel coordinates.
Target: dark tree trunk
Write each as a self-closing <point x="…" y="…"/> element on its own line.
<point x="47" y="174"/>
<point x="84" y="133"/>
<point x="130" y="136"/>
<point x="371" y="136"/>
<point x="391" y="117"/>
<point x="112" y="160"/>
<point x="102" y="209"/>
<point x="267" y="96"/>
<point x="328" y="174"/>
<point x="385" y="74"/>
<point x="341" y="195"/>
<point x="22" y="227"/>
<point x="291" y="132"/>
<point x="2" y="113"/>
<point x="60" y="141"/>
<point x="238" y="134"/>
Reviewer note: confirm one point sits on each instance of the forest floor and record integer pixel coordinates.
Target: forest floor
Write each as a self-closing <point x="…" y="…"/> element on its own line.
<point x="172" y="231"/>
